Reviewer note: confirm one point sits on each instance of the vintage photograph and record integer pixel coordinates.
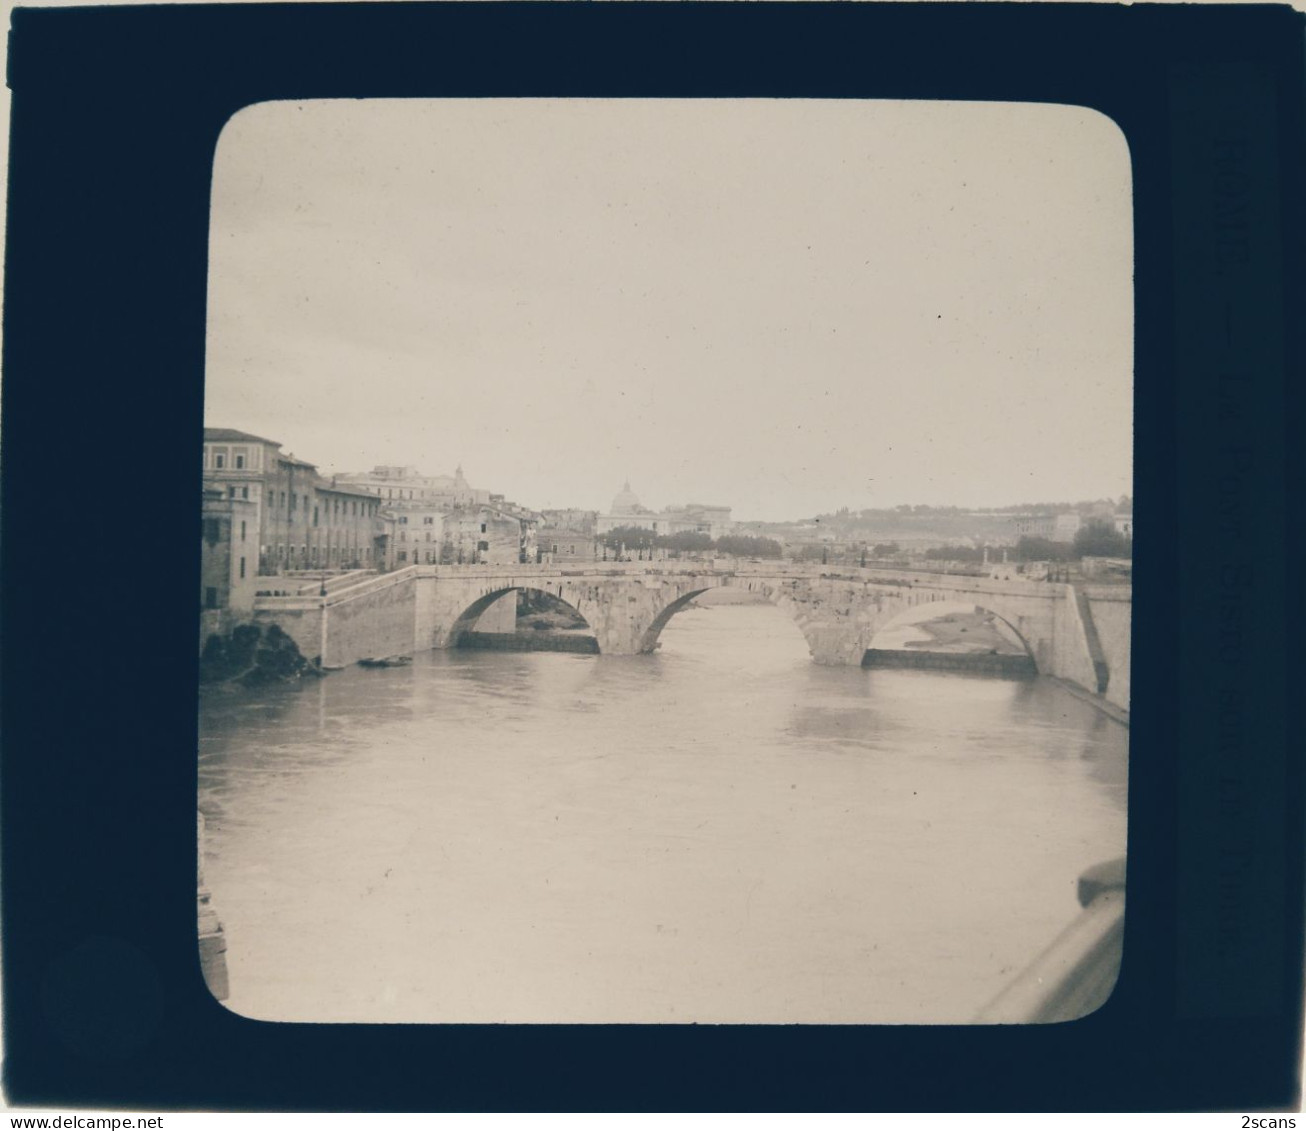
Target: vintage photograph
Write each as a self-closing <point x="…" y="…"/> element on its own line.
<point x="666" y="561"/>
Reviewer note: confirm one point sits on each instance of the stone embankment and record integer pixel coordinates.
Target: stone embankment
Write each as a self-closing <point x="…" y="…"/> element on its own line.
<point x="1006" y="665"/>
<point x="530" y="642"/>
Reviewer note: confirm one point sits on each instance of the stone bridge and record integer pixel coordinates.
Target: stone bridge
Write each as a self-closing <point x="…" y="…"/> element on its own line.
<point x="1077" y="635"/>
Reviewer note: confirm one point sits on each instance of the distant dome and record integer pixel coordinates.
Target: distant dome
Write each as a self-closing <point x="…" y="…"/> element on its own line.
<point x="626" y="501"/>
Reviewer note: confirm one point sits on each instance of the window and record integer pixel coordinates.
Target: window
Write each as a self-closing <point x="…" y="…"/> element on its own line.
<point x="294" y="501"/>
<point x="231" y="492"/>
<point x="314" y="515"/>
<point x="283" y="498"/>
<point x="403" y="520"/>
<point x="403" y="555"/>
<point x="242" y="567"/>
<point x="482" y="528"/>
<point x="428" y="535"/>
<point x="244" y="492"/>
<point x="212" y="531"/>
<point x="242" y="536"/>
<point x="238" y="454"/>
<point x="429" y="520"/>
<point x="219" y="458"/>
<point x="210" y="598"/>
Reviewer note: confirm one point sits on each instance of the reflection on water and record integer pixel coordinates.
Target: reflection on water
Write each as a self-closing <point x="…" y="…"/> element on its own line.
<point x="720" y="832"/>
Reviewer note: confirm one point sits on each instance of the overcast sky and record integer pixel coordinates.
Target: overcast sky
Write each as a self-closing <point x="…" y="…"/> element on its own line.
<point x="781" y="306"/>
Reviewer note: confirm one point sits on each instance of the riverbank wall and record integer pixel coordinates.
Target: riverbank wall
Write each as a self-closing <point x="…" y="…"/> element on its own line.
<point x="529" y="642"/>
<point x="1004" y="665"/>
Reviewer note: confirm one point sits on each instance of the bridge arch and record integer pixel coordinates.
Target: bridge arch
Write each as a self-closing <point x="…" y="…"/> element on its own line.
<point x="932" y="608"/>
<point x="465" y="622"/>
<point x="773" y="594"/>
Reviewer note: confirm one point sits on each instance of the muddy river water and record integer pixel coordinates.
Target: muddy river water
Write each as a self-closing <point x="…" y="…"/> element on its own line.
<point x="723" y="831"/>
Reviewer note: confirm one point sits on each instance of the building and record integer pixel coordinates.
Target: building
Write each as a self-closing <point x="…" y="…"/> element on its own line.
<point x="568" y="535"/>
<point x="406" y="486"/>
<point x="497" y="534"/>
<point x="699" y="518"/>
<point x="443" y="519"/>
<point x="626" y="511"/>
<point x="228" y="543"/>
<point x="1066" y="526"/>
<point x="228" y="580"/>
<point x="570" y="518"/>
<point x="304" y="521"/>
<point x="1035" y="525"/>
<point x="418" y="533"/>
<point x="692" y="518"/>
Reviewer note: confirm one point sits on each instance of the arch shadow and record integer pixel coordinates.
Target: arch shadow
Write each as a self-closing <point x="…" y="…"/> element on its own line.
<point x="466" y="621"/>
<point x="934" y="610"/>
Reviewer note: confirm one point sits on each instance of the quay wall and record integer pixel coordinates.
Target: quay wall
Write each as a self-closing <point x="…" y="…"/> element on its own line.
<point x="1072" y="653"/>
<point x="374" y="625"/>
<point x="529" y="642"/>
<point x="1112" y="608"/>
<point x="985" y="663"/>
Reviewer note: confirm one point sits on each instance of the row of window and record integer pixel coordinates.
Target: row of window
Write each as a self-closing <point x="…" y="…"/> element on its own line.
<point x="213" y="530"/>
<point x="221" y="458"/>
<point x="304" y="555"/>
<point x="338" y="507"/>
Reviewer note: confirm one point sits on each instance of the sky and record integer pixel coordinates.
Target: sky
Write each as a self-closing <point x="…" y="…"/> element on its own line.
<point x="783" y="306"/>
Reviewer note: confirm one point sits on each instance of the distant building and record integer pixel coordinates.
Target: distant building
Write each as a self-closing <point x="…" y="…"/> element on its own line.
<point x="1066" y="527"/>
<point x="418" y="533"/>
<point x="692" y="518"/>
<point x="1124" y="524"/>
<point x="498" y="534"/>
<point x="406" y="486"/>
<point x="443" y="519"/>
<point x="558" y="544"/>
<point x="1035" y="525"/>
<point x="571" y="518"/>
<point x="568" y="535"/>
<point x="626" y="511"/>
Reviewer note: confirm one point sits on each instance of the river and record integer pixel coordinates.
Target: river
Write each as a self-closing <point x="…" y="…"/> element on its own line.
<point x="723" y="831"/>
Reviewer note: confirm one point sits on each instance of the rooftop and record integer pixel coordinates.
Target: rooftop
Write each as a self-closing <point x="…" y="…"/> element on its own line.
<point x="232" y="436"/>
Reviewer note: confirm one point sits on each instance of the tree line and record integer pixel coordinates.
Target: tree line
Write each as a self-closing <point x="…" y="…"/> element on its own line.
<point x="1097" y="538"/>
